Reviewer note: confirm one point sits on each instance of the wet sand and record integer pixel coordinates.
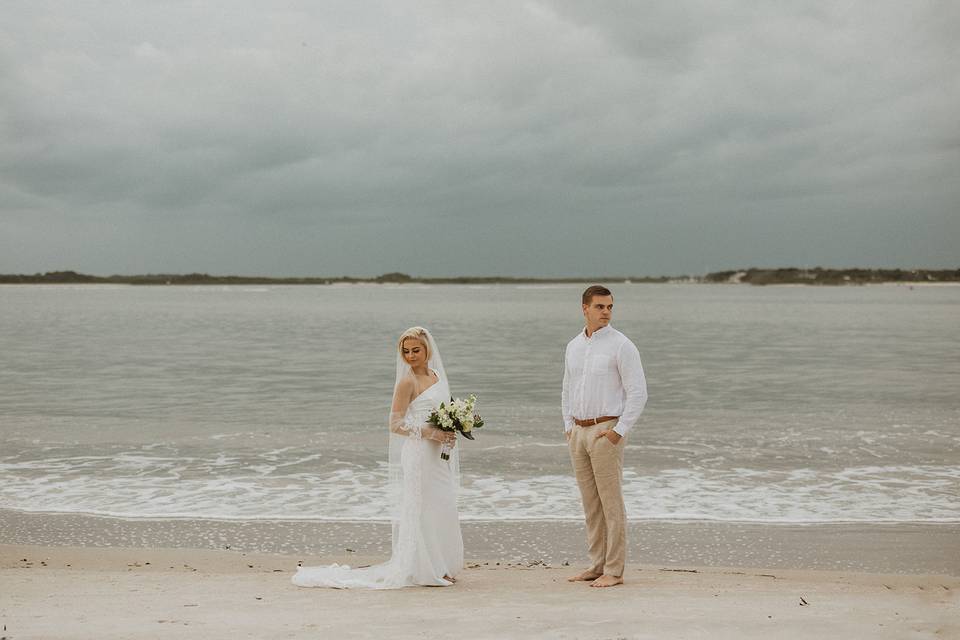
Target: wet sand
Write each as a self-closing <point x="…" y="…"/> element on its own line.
<point x="872" y="548"/>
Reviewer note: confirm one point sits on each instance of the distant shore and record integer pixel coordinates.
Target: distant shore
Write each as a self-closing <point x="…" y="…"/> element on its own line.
<point x="753" y="276"/>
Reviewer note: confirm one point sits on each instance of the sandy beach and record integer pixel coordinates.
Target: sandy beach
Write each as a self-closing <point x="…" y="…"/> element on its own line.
<point x="82" y="576"/>
<point x="69" y="592"/>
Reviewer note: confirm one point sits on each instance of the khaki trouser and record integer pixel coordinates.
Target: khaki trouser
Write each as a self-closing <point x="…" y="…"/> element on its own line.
<point x="598" y="465"/>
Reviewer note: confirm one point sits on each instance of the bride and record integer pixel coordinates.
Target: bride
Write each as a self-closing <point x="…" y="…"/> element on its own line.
<point x="427" y="545"/>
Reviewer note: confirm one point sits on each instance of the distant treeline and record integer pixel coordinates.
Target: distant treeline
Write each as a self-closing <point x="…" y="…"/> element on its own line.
<point x="61" y="277"/>
<point x="819" y="275"/>
<point x="815" y="276"/>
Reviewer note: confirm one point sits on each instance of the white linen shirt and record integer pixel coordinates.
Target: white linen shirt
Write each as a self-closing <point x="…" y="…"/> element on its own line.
<point x="603" y="376"/>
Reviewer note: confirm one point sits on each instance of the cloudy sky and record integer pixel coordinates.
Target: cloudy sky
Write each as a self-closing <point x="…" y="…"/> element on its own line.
<point x="540" y="138"/>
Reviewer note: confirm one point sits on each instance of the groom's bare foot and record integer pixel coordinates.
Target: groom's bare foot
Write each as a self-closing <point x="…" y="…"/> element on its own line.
<point x="586" y="576"/>
<point x="449" y="579"/>
<point x="607" y="581"/>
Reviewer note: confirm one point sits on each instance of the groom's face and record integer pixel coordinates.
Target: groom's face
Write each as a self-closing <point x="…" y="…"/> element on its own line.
<point x="598" y="312"/>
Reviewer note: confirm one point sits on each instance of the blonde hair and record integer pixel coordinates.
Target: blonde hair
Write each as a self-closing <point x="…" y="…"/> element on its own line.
<point x="415" y="333"/>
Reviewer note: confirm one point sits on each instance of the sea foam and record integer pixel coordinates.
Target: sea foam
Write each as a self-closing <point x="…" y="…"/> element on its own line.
<point x="139" y="485"/>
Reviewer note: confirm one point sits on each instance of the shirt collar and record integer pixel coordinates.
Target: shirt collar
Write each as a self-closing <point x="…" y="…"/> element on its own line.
<point x="602" y="331"/>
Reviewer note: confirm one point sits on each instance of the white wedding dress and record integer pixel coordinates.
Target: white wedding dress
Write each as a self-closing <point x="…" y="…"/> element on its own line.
<point x="427" y="543"/>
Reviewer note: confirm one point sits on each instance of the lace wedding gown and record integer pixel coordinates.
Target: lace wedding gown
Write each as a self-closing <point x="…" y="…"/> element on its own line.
<point x="427" y="544"/>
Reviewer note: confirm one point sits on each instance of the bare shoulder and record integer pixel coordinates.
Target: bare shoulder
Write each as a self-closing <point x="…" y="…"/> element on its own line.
<point x="406" y="386"/>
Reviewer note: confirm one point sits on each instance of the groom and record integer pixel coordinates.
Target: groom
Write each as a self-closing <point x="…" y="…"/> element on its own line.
<point x="604" y="392"/>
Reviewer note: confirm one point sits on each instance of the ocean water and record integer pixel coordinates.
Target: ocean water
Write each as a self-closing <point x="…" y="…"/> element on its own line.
<point x="776" y="404"/>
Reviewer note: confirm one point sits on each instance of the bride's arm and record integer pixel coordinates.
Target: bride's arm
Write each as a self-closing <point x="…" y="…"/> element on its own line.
<point x="402" y="395"/>
<point x="398" y="410"/>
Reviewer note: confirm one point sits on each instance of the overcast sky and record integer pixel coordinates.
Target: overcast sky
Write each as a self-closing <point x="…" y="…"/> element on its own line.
<point x="485" y="138"/>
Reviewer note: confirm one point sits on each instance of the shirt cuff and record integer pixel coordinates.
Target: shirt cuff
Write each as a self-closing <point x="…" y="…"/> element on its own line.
<point x="621" y="429"/>
<point x="568" y="424"/>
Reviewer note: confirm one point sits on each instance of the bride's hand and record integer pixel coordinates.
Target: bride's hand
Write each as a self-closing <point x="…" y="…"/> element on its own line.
<point x="442" y="436"/>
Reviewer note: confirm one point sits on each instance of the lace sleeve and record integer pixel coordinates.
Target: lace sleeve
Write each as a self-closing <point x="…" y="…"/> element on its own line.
<point x="399" y="422"/>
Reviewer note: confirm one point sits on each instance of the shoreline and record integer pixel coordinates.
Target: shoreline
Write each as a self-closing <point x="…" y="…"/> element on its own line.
<point x="899" y="548"/>
<point x="472" y="520"/>
<point x="71" y="592"/>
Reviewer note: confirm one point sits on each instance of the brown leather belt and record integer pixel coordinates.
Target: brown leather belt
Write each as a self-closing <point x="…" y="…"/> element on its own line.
<point x="592" y="421"/>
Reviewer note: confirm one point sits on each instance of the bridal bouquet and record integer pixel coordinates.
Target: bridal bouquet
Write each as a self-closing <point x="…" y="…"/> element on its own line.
<point x="456" y="416"/>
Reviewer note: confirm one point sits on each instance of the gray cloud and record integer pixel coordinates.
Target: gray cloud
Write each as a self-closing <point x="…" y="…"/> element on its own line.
<point x="546" y="138"/>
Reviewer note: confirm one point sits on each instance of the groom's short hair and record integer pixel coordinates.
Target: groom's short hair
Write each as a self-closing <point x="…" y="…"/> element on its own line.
<point x="595" y="290"/>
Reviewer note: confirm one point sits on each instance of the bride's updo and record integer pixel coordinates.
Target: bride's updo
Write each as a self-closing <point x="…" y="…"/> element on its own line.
<point x="416" y="333"/>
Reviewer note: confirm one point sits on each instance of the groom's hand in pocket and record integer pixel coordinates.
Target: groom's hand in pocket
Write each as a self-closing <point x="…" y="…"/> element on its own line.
<point x="610" y="435"/>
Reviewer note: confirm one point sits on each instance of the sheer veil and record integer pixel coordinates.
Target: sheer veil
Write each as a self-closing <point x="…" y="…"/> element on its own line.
<point x="434" y="362"/>
<point x="427" y="544"/>
<point x="405" y="463"/>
